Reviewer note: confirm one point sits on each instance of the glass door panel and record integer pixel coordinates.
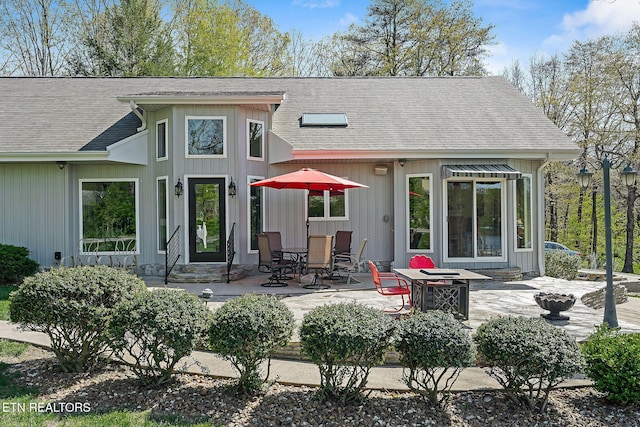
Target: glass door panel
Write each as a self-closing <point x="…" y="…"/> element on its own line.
<point x="489" y="218"/>
<point x="460" y="219"/>
<point x="207" y="220"/>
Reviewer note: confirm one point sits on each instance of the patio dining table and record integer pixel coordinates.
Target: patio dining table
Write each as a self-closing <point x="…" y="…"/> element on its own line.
<point x="429" y="293"/>
<point x="297" y="255"/>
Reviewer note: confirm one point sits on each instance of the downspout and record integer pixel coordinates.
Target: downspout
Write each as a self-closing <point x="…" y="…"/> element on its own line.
<point x="134" y="108"/>
<point x="540" y="179"/>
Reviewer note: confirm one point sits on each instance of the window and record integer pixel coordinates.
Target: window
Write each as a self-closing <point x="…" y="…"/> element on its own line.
<point x="324" y="205"/>
<point x="419" y="211"/>
<point x="523" y="232"/>
<point x="206" y="136"/>
<point x="108" y="210"/>
<point x="162" y="201"/>
<point x="162" y="132"/>
<point x="256" y="213"/>
<point x="475" y="212"/>
<point x="255" y="139"/>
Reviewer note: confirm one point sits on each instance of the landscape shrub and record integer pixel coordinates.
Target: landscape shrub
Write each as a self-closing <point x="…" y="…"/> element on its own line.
<point x="528" y="357"/>
<point x="15" y="264"/>
<point x="345" y="340"/>
<point x="613" y="363"/>
<point x="246" y="331"/>
<point x="433" y="347"/>
<point x="157" y="329"/>
<point x="561" y="265"/>
<point x="73" y="306"/>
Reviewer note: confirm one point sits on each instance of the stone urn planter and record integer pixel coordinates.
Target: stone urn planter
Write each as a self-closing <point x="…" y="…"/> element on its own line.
<point x="554" y="303"/>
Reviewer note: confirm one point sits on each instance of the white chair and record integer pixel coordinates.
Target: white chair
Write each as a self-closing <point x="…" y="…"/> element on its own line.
<point x="350" y="263"/>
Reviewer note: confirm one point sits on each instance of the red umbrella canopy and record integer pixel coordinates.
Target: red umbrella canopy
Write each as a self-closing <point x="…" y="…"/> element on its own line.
<point x="308" y="179"/>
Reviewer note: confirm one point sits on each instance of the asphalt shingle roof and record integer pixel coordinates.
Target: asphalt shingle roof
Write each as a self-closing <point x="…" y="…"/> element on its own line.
<point x="411" y="114"/>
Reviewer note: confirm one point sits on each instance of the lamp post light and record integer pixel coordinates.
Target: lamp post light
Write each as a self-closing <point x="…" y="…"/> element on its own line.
<point x="629" y="178"/>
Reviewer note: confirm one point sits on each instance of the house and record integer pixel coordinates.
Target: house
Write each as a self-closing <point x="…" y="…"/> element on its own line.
<point x="454" y="167"/>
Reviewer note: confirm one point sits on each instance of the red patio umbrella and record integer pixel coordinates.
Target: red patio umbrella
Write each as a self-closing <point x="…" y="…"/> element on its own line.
<point x="308" y="179"/>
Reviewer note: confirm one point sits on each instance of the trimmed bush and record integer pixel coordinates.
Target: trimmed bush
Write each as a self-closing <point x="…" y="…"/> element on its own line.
<point x="15" y="264"/>
<point x="561" y="265"/>
<point x="157" y="329"/>
<point x="73" y="306"/>
<point x="528" y="357"/>
<point x="613" y="363"/>
<point x="433" y="347"/>
<point x="345" y="340"/>
<point x="246" y="331"/>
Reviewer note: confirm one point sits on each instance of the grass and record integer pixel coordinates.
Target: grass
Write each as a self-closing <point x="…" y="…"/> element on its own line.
<point x="20" y="407"/>
<point x="4" y="301"/>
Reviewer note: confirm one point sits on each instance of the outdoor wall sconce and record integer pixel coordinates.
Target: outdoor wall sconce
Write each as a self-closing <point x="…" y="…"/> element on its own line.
<point x="402" y="162"/>
<point x="61" y="164"/>
<point x="629" y="178"/>
<point x="178" y="188"/>
<point x="232" y="188"/>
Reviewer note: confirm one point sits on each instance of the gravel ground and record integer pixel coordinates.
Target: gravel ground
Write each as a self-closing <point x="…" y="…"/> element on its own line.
<point x="199" y="398"/>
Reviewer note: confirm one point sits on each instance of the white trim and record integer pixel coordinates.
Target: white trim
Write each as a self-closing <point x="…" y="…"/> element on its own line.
<point x="515" y="213"/>
<point x="185" y="235"/>
<point x="262" y="146"/>
<point x="164" y="178"/>
<point x="407" y="220"/>
<point x="250" y="179"/>
<point x="205" y="156"/>
<point x="137" y="208"/>
<point x="503" y="223"/>
<point x="166" y="140"/>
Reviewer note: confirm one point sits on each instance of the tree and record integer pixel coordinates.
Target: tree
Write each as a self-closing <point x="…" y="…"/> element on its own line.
<point x="127" y="39"/>
<point x="415" y="37"/>
<point x="34" y="36"/>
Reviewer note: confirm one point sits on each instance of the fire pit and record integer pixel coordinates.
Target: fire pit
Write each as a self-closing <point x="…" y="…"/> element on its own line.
<point x="555" y="303"/>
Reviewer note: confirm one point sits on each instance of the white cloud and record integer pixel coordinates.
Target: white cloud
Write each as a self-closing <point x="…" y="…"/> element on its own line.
<point x="317" y="4"/>
<point x="348" y="19"/>
<point x="599" y="18"/>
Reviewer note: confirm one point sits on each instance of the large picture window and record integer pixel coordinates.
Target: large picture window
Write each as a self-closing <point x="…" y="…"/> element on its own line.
<point x="256" y="213"/>
<point x="162" y="201"/>
<point x="206" y="136"/>
<point x="325" y="205"/>
<point x="162" y="133"/>
<point x="255" y="139"/>
<point x="109" y="214"/>
<point x="523" y="211"/>
<point x="475" y="212"/>
<point x="419" y="211"/>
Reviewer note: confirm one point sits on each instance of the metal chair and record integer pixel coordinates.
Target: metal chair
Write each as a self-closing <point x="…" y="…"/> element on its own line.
<point x="275" y="266"/>
<point x="399" y="286"/>
<point x="342" y="242"/>
<point x="423" y="261"/>
<point x="319" y="259"/>
<point x="349" y="263"/>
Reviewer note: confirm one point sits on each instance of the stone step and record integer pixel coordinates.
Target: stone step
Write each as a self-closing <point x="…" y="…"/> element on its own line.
<point x="508" y="274"/>
<point x="205" y="273"/>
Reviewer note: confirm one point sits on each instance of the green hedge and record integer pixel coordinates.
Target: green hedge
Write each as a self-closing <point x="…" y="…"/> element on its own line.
<point x="15" y="264"/>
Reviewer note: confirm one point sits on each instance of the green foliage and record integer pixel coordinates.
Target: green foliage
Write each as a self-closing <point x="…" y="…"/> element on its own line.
<point x="15" y="264"/>
<point x="561" y="265"/>
<point x="433" y="347"/>
<point x="12" y="348"/>
<point x="73" y="306"/>
<point x="345" y="340"/>
<point x="613" y="363"/>
<point x="5" y="291"/>
<point x="246" y="331"/>
<point x="157" y="329"/>
<point x="528" y="357"/>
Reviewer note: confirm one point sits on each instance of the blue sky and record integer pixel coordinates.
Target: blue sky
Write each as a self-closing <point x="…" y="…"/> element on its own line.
<point x="523" y="28"/>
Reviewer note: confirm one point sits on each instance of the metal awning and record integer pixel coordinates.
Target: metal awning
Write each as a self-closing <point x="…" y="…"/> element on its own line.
<point x="480" y="171"/>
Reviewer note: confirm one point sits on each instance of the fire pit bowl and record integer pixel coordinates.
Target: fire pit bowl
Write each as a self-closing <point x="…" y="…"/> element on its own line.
<point x="554" y="303"/>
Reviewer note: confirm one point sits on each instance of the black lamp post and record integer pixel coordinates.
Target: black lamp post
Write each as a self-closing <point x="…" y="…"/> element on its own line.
<point x="629" y="178"/>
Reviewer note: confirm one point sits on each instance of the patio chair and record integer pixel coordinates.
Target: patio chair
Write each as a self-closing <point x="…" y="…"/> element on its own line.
<point x="268" y="262"/>
<point x="275" y="242"/>
<point x="398" y="286"/>
<point x="342" y="242"/>
<point x="319" y="260"/>
<point x="349" y="263"/>
<point x="423" y="261"/>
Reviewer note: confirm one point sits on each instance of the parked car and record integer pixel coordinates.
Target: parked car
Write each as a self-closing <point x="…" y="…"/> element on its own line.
<point x="554" y="246"/>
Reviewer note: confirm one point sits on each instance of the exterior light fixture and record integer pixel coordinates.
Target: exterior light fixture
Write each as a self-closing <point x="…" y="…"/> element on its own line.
<point x="61" y="164"/>
<point x="232" y="188"/>
<point x="402" y="162"/>
<point x="629" y="178"/>
<point x="178" y="188"/>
